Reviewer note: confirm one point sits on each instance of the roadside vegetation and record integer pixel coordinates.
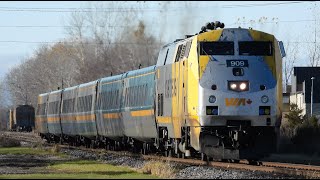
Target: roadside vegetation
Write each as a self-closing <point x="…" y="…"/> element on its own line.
<point x="299" y="134"/>
<point x="50" y="164"/>
<point x="8" y="142"/>
<point x="159" y="168"/>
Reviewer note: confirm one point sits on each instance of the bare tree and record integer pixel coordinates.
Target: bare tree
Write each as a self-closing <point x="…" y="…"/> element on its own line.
<point x="292" y="51"/>
<point x="312" y="46"/>
<point x="42" y="73"/>
<point x="97" y="46"/>
<point x="108" y="44"/>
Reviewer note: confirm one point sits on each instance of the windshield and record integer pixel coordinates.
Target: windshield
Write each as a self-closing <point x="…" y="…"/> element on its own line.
<point x="255" y="48"/>
<point x="216" y="48"/>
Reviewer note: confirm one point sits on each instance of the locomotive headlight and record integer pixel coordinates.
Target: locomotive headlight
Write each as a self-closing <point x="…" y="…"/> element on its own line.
<point x="238" y="86"/>
<point x="212" y="99"/>
<point x="264" y="99"/>
<point x="233" y="85"/>
<point x="243" y="86"/>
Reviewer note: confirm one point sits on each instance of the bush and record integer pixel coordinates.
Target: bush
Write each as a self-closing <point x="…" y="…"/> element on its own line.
<point x="8" y="142"/>
<point x="55" y="149"/>
<point x="314" y="122"/>
<point x="158" y="168"/>
<point x="304" y="138"/>
<point x="295" y="116"/>
<point x="300" y="135"/>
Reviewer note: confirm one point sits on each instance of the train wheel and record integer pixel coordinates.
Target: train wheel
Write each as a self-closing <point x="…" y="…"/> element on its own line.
<point x="253" y="162"/>
<point x="225" y="160"/>
<point x="235" y="160"/>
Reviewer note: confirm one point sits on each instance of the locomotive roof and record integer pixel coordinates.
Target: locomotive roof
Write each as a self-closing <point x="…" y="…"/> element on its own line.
<point x="192" y="36"/>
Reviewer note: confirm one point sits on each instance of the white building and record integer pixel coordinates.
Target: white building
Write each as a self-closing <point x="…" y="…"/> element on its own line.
<point x="300" y="91"/>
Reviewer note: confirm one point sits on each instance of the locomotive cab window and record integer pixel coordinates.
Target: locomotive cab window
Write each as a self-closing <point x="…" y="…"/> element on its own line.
<point x="255" y="48"/>
<point x="216" y="48"/>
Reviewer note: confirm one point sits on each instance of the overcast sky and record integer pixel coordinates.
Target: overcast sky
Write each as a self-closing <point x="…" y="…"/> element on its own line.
<point x="25" y="24"/>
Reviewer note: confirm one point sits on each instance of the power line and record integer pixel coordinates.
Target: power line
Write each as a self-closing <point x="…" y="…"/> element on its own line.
<point x="66" y="42"/>
<point x="49" y="42"/>
<point x="290" y="21"/>
<point x="52" y="26"/>
<point x="49" y="26"/>
<point x="298" y="42"/>
<point x="19" y="9"/>
<point x="265" y="4"/>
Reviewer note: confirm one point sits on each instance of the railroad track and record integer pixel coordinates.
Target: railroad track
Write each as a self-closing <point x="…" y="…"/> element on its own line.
<point x="307" y="171"/>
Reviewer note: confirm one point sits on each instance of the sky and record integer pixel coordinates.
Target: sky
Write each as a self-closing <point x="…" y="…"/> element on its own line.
<point x="25" y="25"/>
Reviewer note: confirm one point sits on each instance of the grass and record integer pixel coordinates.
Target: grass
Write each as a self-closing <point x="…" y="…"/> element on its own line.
<point x="31" y="151"/>
<point x="75" y="169"/>
<point x="159" y="168"/>
<point x="122" y="175"/>
<point x="23" y="150"/>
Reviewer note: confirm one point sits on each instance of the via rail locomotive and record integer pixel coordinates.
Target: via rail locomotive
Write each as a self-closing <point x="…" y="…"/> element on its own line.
<point x="216" y="94"/>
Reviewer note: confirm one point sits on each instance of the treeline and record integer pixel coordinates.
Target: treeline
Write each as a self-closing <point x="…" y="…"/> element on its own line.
<point x="97" y="45"/>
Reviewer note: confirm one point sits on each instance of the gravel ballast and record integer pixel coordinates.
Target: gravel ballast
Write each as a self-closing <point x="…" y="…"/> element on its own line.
<point x="184" y="171"/>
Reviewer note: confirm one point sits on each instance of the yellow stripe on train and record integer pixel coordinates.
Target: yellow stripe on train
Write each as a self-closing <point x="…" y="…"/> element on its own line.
<point x="53" y="118"/>
<point x="164" y="120"/>
<point x="111" y="116"/>
<point x="78" y="118"/>
<point x="85" y="117"/>
<point x="142" y="113"/>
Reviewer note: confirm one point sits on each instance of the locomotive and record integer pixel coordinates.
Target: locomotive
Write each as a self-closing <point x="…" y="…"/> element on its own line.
<point x="216" y="94"/>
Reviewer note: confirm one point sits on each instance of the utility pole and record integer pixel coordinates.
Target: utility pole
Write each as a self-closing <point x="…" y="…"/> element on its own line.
<point x="311" y="94"/>
<point x="315" y="36"/>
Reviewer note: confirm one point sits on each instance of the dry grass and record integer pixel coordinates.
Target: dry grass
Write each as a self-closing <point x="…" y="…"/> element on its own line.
<point x="55" y="149"/>
<point x="159" y="168"/>
<point x="8" y="142"/>
<point x="37" y="145"/>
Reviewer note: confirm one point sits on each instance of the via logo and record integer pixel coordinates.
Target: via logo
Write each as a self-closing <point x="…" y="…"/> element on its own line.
<point x="237" y="101"/>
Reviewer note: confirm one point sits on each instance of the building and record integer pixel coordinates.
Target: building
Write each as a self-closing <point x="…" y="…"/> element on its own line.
<point x="301" y="89"/>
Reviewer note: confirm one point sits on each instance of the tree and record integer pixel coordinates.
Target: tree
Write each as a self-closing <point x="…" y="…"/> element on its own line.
<point x="292" y="51"/>
<point x="314" y="121"/>
<point x="110" y="41"/>
<point x="98" y="44"/>
<point x="42" y="73"/>
<point x="294" y="116"/>
<point x="313" y="47"/>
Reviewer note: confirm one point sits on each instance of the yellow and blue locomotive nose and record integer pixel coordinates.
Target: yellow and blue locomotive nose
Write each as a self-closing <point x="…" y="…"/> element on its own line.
<point x="237" y="77"/>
